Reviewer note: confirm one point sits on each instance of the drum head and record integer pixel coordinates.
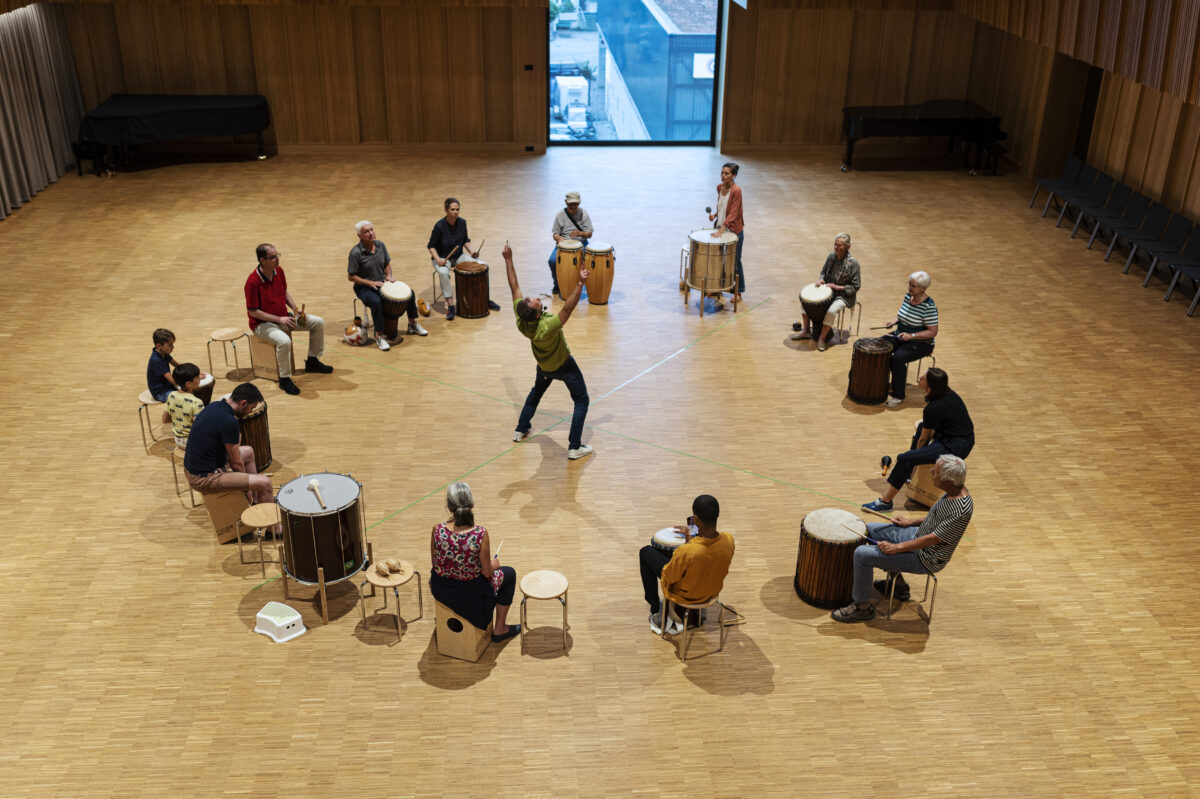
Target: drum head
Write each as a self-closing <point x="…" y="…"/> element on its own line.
<point x="706" y="237"/>
<point x="873" y="345"/>
<point x="470" y="266"/>
<point x="338" y="490"/>
<point x="814" y="293"/>
<point x="255" y="411"/>
<point x="206" y="380"/>
<point x="570" y="244"/>
<point x="395" y="290"/>
<point x="599" y="247"/>
<point x="668" y="538"/>
<point x="829" y="524"/>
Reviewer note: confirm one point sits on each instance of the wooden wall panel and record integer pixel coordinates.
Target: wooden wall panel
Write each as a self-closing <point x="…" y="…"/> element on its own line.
<point x="740" y="75"/>
<point x="396" y="71"/>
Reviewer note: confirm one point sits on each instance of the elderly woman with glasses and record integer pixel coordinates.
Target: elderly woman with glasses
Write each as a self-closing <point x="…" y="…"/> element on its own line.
<point x="916" y="326"/>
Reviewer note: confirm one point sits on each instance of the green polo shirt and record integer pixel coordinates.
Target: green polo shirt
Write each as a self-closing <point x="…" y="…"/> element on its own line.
<point x="546" y="338"/>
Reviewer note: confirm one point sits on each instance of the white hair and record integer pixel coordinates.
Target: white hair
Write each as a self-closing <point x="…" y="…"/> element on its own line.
<point x="953" y="469"/>
<point x="845" y="236"/>
<point x="922" y="279"/>
<point x="358" y="228"/>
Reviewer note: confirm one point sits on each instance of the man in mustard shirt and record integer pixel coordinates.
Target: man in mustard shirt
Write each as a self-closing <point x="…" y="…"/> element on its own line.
<point x="554" y="360"/>
<point x="695" y="572"/>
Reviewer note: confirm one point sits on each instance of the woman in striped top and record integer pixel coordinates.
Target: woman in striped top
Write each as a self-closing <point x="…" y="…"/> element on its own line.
<point x="917" y="326"/>
<point x="909" y="545"/>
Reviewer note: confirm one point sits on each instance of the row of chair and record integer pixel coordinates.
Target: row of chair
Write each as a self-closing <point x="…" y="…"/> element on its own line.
<point x="1124" y="214"/>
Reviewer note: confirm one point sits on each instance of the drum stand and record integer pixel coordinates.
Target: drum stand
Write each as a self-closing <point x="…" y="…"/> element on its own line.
<point x="320" y="585"/>
<point x="687" y="287"/>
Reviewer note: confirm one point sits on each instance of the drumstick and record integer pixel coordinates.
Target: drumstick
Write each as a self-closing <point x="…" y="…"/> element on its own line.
<point x="881" y="327"/>
<point x="315" y="487"/>
<point x="877" y="513"/>
<point x="860" y="535"/>
<point x="480" y="248"/>
<point x="496" y="554"/>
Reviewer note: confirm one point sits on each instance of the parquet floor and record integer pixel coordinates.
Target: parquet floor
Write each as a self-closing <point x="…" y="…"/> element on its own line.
<point x="1061" y="660"/>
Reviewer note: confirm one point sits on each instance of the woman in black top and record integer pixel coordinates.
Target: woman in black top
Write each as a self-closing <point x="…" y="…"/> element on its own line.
<point x="945" y="428"/>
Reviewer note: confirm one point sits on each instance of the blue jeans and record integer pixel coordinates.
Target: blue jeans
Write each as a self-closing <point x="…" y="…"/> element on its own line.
<point x="374" y="301"/>
<point x="554" y="263"/>
<point x="568" y="373"/>
<point x="868" y="556"/>
<point x="741" y="276"/>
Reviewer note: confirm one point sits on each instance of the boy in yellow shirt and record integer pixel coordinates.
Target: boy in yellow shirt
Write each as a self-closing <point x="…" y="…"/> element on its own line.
<point x="183" y="405"/>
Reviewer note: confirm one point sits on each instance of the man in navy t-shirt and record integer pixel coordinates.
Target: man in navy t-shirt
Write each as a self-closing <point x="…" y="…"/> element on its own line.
<point x="216" y="460"/>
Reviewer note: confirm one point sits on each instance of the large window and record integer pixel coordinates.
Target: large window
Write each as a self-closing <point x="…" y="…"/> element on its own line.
<point x="633" y="70"/>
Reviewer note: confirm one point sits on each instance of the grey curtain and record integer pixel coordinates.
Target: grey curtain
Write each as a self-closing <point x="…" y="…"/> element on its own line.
<point x="40" y="104"/>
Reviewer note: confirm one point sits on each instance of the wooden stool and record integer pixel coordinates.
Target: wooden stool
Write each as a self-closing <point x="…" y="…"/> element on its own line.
<point x="891" y="592"/>
<point x="701" y="606"/>
<point x="543" y="584"/>
<point x="177" y="458"/>
<point x="392" y="581"/>
<point x="147" y="400"/>
<point x="263" y="360"/>
<point x="225" y="509"/>
<point x="921" y="487"/>
<point x="258" y="517"/>
<point x="226" y="335"/>
<point x="457" y="637"/>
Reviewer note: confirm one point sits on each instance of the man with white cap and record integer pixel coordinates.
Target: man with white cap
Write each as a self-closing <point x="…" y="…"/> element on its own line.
<point x="571" y="222"/>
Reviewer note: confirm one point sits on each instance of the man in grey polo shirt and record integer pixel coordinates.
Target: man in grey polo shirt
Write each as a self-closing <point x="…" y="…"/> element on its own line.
<point x="369" y="266"/>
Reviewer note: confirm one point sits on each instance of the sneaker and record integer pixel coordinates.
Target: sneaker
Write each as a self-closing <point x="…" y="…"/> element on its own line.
<point x="422" y="307"/>
<point x="288" y="386"/>
<point x="879" y="506"/>
<point x="383" y="345"/>
<point x="314" y="365"/>
<point x="854" y="612"/>
<point x="449" y="313"/>
<point x="895" y="402"/>
<point x="493" y="306"/>
<point x="820" y="346"/>
<point x="519" y="436"/>
<point x="583" y="451"/>
<point x="416" y="330"/>
<point x="655" y="627"/>
<point x="799" y="336"/>
<point x="903" y="592"/>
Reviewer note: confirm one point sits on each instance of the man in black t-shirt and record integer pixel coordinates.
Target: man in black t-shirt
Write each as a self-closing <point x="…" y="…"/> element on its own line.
<point x="215" y="459"/>
<point x="945" y="428"/>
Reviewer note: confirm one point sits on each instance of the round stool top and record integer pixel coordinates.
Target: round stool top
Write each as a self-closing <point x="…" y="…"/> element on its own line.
<point x="407" y="570"/>
<point x="146" y="398"/>
<point x="543" y="584"/>
<point x="264" y="514"/>
<point x="227" y="334"/>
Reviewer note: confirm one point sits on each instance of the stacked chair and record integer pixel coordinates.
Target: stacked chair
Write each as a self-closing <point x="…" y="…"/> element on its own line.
<point x="1168" y="240"/>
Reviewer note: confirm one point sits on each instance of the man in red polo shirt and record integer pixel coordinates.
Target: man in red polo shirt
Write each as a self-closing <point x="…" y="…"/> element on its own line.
<point x="267" y="304"/>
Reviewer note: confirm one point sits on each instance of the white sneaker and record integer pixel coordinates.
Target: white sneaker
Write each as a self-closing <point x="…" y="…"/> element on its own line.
<point x="519" y="436"/>
<point x="582" y="452"/>
<point x="416" y="330"/>
<point x="800" y="336"/>
<point x="383" y="345"/>
<point x="895" y="402"/>
<point x="655" y="627"/>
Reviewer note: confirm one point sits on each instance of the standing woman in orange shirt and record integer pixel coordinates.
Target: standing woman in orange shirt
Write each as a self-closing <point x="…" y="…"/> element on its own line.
<point x="729" y="212"/>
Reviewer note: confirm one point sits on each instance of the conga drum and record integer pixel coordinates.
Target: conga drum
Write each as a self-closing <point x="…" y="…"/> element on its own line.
<point x="257" y="435"/>
<point x="869" y="368"/>
<point x="816" y="301"/>
<point x="825" y="562"/>
<point x="396" y="297"/>
<point x="711" y="261"/>
<point x="205" y="389"/>
<point x="569" y="257"/>
<point x="599" y="258"/>
<point x="471" y="285"/>
<point x="316" y="537"/>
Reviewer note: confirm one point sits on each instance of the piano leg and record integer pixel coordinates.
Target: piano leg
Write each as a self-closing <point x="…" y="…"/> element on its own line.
<point x="848" y="161"/>
<point x="262" y="156"/>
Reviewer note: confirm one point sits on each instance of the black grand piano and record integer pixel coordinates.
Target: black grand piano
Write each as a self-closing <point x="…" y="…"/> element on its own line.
<point x="131" y="119"/>
<point x="954" y="119"/>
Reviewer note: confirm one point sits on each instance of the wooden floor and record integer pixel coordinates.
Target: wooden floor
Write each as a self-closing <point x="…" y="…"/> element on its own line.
<point x="1061" y="659"/>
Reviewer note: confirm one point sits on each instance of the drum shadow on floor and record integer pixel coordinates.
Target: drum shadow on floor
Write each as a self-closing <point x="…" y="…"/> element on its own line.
<point x="740" y="668"/>
<point x="452" y="674"/>
<point x="860" y="409"/>
<point x="692" y="307"/>
<point x="778" y="595"/>
<point x="306" y="600"/>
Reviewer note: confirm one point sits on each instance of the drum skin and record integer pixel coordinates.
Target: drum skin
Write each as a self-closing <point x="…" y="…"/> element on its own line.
<point x="471" y="285"/>
<point x="816" y="301"/>
<point x="869" y="370"/>
<point x="825" y="561"/>
<point x="256" y="434"/>
<point x="667" y="540"/>
<point x="600" y="260"/>
<point x="329" y="538"/>
<point x="569" y="257"/>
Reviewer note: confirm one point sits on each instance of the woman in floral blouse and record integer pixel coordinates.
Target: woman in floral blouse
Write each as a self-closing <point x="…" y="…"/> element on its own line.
<point x="466" y="577"/>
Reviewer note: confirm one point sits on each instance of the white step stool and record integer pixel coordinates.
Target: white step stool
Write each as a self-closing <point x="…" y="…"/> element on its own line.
<point x="279" y="622"/>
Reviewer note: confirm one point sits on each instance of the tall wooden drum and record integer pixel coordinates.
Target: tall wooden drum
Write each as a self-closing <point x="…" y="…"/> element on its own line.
<point x="569" y="255"/>
<point x="257" y="435"/>
<point x="471" y="285"/>
<point x="599" y="257"/>
<point x="825" y="562"/>
<point x="869" y="371"/>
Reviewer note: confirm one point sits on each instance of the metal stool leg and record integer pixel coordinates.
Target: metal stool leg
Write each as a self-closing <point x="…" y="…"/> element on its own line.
<point x="524" y="623"/>
<point x="563" y="600"/>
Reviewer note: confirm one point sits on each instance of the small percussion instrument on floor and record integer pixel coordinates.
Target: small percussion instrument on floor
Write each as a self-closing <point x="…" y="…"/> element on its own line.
<point x="471" y="285"/>
<point x="330" y="538"/>
<point x="256" y="434"/>
<point x="600" y="258"/>
<point x="825" y="562"/>
<point x="396" y="297"/>
<point x="668" y="539"/>
<point x="711" y="261"/>
<point x="566" y="268"/>
<point x="205" y="389"/>
<point x="870" y="368"/>
<point x="816" y="301"/>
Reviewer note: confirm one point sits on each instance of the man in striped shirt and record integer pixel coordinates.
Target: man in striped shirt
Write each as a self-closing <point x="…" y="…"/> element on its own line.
<point x="909" y="545"/>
